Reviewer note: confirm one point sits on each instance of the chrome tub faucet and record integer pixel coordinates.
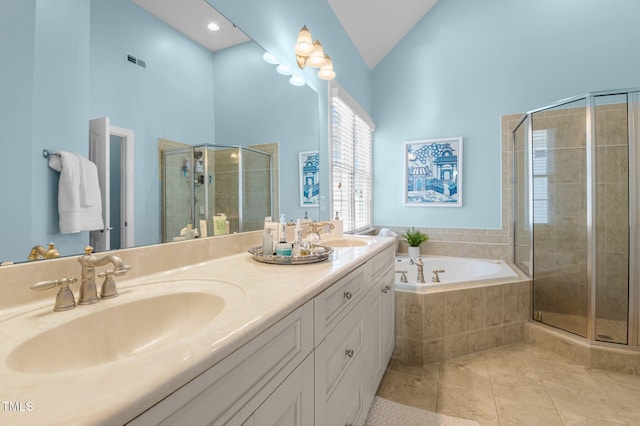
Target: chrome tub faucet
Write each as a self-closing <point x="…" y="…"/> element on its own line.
<point x="420" y="264"/>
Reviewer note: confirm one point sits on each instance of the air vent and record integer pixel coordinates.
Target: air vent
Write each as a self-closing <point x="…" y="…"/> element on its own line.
<point x="136" y="61"/>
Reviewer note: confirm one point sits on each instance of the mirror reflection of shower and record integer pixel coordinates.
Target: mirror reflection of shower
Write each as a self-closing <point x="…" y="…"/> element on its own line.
<point x="205" y="184"/>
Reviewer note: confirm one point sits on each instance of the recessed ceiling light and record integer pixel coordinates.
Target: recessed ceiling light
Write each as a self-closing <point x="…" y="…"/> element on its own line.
<point x="213" y="26"/>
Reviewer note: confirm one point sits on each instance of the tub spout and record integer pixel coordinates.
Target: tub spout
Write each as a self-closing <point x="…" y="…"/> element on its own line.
<point x="420" y="264"/>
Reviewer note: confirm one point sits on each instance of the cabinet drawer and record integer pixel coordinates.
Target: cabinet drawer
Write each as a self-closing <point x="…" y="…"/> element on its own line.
<point x="341" y="348"/>
<point x="335" y="302"/>
<point x="382" y="261"/>
<point x="240" y="381"/>
<point x="347" y="404"/>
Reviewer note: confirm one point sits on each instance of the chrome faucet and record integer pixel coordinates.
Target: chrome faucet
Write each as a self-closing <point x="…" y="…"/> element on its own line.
<point x="316" y="225"/>
<point x="88" y="291"/>
<point x="38" y="252"/>
<point x="435" y="278"/>
<point x="420" y="264"/>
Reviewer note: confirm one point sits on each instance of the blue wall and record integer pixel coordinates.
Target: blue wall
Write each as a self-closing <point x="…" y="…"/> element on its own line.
<point x="256" y="105"/>
<point x="467" y="63"/>
<point x="274" y="24"/>
<point x="171" y="98"/>
<point x="17" y="38"/>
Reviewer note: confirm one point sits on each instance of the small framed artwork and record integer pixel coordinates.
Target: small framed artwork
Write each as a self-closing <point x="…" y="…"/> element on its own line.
<point x="309" y="170"/>
<point x="433" y="172"/>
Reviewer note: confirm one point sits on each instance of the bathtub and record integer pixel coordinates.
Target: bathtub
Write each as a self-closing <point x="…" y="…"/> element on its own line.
<point x="459" y="272"/>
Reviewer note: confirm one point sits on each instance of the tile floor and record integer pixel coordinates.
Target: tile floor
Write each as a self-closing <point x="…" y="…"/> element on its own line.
<point x="518" y="384"/>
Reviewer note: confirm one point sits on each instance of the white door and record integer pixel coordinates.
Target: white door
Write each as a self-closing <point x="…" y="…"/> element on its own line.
<point x="100" y="132"/>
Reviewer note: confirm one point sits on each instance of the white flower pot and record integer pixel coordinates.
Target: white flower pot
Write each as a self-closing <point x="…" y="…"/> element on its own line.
<point x="414" y="251"/>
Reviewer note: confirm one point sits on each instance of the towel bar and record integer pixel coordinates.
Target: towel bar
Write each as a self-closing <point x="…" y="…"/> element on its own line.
<point x="47" y="154"/>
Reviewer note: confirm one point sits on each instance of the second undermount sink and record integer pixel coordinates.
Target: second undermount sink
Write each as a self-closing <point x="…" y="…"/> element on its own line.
<point x="116" y="331"/>
<point x="346" y="242"/>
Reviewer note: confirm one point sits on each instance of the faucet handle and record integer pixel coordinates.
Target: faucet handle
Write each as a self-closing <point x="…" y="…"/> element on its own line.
<point x="108" y="288"/>
<point x="46" y="285"/>
<point x="403" y="277"/>
<point x="64" y="298"/>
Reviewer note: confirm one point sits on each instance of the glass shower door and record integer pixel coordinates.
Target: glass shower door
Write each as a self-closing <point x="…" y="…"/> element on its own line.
<point x="256" y="189"/>
<point x="559" y="193"/>
<point x="612" y="218"/>
<point x="521" y="229"/>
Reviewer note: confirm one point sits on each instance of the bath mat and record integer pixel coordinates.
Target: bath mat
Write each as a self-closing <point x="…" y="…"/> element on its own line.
<point x="388" y="413"/>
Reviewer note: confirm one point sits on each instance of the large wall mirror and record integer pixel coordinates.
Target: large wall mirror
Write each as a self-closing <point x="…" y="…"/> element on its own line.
<point x="71" y="63"/>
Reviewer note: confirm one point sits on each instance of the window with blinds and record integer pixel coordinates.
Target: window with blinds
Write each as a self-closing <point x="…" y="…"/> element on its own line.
<point x="351" y="167"/>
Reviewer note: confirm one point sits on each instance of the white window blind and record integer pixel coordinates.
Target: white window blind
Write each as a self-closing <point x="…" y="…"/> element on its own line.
<point x="351" y="167"/>
<point x="542" y="168"/>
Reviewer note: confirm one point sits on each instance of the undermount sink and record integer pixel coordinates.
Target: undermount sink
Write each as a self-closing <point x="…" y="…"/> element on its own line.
<point x="345" y="242"/>
<point x="113" y="331"/>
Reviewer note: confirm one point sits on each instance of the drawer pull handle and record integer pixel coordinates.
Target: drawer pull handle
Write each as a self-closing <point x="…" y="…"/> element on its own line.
<point x="347" y="295"/>
<point x="349" y="353"/>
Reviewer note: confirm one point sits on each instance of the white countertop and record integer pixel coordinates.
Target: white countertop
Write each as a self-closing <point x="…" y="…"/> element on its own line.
<point x="115" y="392"/>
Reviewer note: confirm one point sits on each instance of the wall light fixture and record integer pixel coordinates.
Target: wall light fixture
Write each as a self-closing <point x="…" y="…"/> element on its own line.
<point x="311" y="53"/>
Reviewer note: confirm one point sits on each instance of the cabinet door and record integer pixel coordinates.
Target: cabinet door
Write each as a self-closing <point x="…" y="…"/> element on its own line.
<point x="380" y="321"/>
<point x="373" y="335"/>
<point x="291" y="404"/>
<point x="388" y="316"/>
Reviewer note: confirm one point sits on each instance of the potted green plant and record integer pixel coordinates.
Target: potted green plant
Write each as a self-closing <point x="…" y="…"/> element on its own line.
<point x="414" y="238"/>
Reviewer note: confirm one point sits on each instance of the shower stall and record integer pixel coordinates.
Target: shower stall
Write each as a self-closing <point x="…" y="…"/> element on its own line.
<point x="576" y="184"/>
<point x="200" y="182"/>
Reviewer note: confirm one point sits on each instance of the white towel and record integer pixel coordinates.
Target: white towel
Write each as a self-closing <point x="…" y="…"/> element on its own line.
<point x="79" y="199"/>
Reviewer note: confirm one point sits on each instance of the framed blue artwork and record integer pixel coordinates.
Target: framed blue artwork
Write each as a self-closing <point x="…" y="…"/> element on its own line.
<point x="433" y="172"/>
<point x="309" y="170"/>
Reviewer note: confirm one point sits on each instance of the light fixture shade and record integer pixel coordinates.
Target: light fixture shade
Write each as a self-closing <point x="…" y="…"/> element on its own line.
<point x="326" y="71"/>
<point x="270" y="59"/>
<point x="284" y="70"/>
<point x="304" y="45"/>
<point x="316" y="59"/>
<point x="296" y="81"/>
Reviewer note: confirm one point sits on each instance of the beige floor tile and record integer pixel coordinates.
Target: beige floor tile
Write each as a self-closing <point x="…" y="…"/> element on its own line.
<point x="517" y="384"/>
<point x="430" y="372"/>
<point x="570" y="419"/>
<point x="468" y="371"/>
<point x="468" y="403"/>
<point x="575" y="392"/>
<point x="525" y="391"/>
<point x="623" y="390"/>
<point x="517" y="413"/>
<point x="409" y="390"/>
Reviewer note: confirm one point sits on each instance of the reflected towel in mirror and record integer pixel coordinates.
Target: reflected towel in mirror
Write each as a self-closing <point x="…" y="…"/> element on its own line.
<point x="79" y="198"/>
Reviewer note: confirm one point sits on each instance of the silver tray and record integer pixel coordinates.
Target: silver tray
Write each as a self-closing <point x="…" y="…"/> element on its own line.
<point x="321" y="253"/>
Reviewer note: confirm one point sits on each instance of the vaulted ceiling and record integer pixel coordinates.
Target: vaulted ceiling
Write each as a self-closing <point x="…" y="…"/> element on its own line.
<point x="374" y="26"/>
